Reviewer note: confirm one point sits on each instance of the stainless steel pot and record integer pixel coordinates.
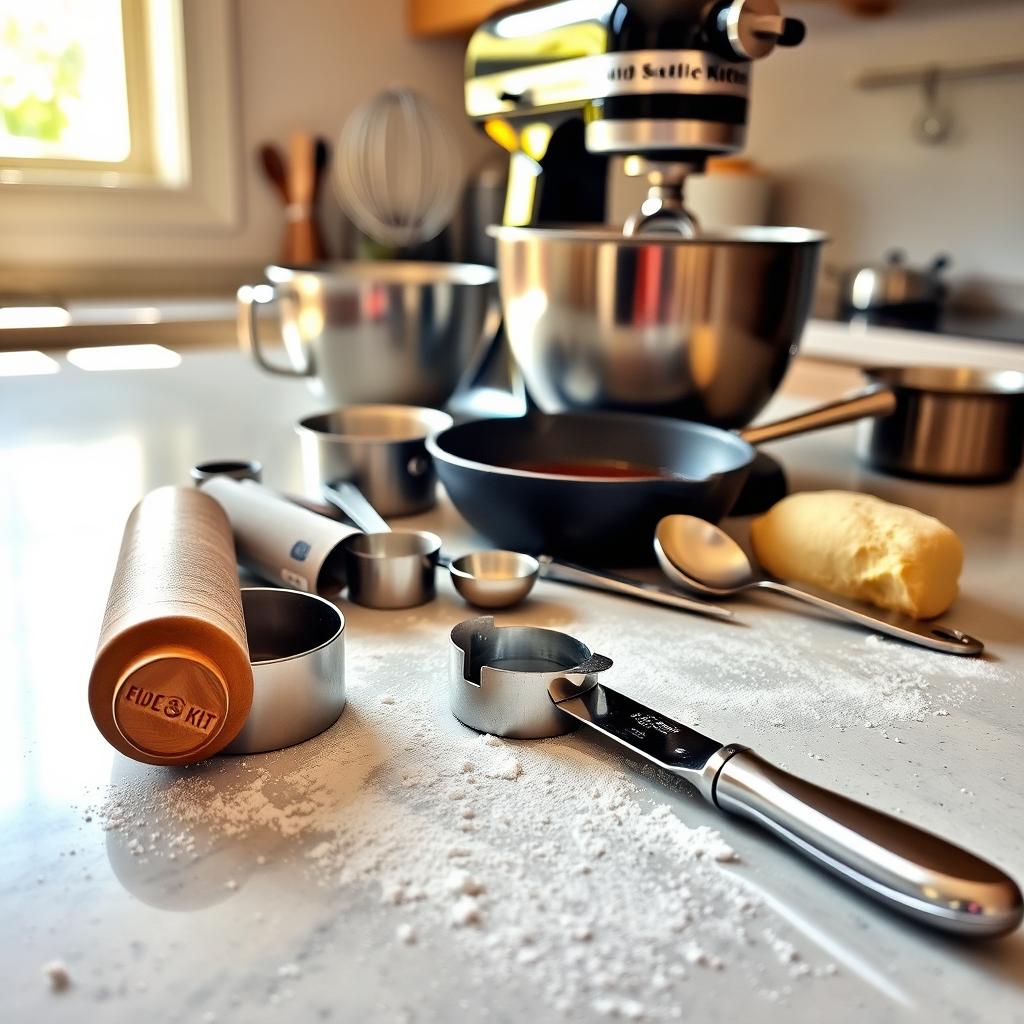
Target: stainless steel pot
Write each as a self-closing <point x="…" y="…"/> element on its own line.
<point x="379" y="448"/>
<point x="697" y="328"/>
<point x="894" y="293"/>
<point x="950" y="423"/>
<point x="375" y="331"/>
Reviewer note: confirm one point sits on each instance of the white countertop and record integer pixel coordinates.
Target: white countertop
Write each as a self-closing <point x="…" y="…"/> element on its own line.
<point x="312" y="884"/>
<point x="868" y="345"/>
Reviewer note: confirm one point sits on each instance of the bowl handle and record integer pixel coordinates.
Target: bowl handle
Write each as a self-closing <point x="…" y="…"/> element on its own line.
<point x="249" y="296"/>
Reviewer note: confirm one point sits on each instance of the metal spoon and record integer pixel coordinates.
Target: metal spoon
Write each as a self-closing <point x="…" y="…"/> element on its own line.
<point x="703" y="559"/>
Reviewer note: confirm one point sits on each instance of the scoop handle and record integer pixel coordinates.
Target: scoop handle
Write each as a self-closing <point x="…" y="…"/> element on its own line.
<point x="925" y="634"/>
<point x="349" y="499"/>
<point x="566" y="572"/>
<point x="913" y="871"/>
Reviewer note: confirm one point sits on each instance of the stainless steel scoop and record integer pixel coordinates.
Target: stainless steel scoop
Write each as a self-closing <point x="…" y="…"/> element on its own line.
<point x="385" y="568"/>
<point x="530" y="683"/>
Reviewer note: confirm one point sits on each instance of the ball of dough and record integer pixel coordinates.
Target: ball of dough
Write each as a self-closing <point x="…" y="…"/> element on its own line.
<point x="862" y="547"/>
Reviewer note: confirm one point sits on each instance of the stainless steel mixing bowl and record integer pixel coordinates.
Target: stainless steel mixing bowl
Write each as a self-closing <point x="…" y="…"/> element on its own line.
<point x="699" y="328"/>
<point x="376" y="331"/>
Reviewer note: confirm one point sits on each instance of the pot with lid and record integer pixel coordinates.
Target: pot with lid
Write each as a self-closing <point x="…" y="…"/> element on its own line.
<point x="894" y="293"/>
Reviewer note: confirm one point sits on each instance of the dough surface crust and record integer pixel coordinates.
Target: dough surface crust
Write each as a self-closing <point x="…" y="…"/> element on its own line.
<point x="862" y="547"/>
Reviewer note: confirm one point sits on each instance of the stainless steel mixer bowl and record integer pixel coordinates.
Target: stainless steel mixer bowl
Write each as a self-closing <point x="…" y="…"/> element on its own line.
<point x="698" y="328"/>
<point x="376" y="331"/>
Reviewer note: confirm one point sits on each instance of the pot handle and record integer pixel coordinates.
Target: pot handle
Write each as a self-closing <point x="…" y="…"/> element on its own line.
<point x="249" y="296"/>
<point x="871" y="401"/>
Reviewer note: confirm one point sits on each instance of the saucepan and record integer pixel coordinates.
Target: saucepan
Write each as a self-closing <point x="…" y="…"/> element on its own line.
<point x="950" y="423"/>
<point x="592" y="487"/>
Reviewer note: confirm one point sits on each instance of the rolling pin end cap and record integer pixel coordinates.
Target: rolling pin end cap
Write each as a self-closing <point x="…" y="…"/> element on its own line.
<point x="171" y="707"/>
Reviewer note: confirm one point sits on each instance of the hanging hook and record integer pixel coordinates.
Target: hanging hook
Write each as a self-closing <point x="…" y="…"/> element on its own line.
<point x="935" y="123"/>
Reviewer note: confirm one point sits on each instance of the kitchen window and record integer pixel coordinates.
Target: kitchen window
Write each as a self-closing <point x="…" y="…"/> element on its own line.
<point x="117" y="117"/>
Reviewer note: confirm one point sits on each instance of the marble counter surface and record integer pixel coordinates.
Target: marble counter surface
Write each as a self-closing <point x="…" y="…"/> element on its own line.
<point x="399" y="869"/>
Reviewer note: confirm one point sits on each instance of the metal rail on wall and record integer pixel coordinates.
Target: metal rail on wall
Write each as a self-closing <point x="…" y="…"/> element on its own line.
<point x="921" y="74"/>
<point x="935" y="123"/>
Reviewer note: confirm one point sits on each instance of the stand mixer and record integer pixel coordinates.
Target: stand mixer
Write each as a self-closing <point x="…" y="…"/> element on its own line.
<point x="652" y="316"/>
<point x="664" y="83"/>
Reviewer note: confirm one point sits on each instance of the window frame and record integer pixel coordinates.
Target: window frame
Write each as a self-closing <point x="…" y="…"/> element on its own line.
<point x="200" y="195"/>
<point x="140" y="166"/>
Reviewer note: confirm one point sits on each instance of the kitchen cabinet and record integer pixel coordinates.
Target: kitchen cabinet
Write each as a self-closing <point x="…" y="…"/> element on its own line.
<point x="448" y="17"/>
<point x="427" y="18"/>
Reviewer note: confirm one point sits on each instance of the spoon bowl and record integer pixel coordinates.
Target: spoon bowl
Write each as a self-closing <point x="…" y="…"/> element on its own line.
<point x="698" y="556"/>
<point x="494" y="579"/>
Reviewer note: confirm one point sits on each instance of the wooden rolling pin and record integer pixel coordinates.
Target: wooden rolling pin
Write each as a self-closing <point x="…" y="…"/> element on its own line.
<point x="172" y="682"/>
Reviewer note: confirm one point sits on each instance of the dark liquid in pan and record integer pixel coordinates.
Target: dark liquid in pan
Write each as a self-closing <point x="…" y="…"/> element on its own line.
<point x="605" y="468"/>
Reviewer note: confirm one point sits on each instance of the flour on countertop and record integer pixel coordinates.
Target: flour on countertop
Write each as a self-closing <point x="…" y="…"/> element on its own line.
<point x="540" y="861"/>
<point x="860" y="679"/>
<point x="529" y="881"/>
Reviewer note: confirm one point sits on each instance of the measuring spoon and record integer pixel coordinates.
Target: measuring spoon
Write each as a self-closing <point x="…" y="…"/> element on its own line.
<point x="487" y="579"/>
<point x="703" y="559"/>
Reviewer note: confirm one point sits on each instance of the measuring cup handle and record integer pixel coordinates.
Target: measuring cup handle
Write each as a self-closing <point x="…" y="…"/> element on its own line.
<point x="914" y="871"/>
<point x="926" y="634"/>
<point x="350" y="500"/>
<point x="871" y="401"/>
<point x="249" y="335"/>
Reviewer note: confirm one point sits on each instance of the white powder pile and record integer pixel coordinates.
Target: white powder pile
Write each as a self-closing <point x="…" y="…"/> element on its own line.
<point x="541" y="858"/>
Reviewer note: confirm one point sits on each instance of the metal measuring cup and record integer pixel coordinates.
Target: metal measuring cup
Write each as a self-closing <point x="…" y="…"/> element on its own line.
<point x="385" y="568"/>
<point x="530" y="683"/>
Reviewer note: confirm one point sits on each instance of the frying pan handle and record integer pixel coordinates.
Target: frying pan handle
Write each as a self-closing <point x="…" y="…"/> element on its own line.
<point x="913" y="871"/>
<point x="924" y="634"/>
<point x="871" y="401"/>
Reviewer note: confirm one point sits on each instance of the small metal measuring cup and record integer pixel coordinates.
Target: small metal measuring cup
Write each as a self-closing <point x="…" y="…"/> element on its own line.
<point x="530" y="683"/>
<point x="236" y="469"/>
<point x="297" y="650"/>
<point x="385" y="568"/>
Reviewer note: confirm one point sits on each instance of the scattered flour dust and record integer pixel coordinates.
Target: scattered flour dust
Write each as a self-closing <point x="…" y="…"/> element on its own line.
<point x="859" y="679"/>
<point x="541" y="863"/>
<point x="539" y="858"/>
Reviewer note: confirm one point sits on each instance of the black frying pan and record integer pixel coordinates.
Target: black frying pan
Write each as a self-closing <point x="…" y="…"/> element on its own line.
<point x="696" y="469"/>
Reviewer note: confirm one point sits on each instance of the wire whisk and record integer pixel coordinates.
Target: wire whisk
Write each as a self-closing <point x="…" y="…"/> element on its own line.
<point x="397" y="171"/>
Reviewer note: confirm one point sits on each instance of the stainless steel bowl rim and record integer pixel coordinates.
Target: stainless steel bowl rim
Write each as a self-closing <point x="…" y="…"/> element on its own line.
<point x="602" y="233"/>
<point x="951" y="380"/>
<point x="442" y="421"/>
<point x="434" y="447"/>
<point x="222" y="467"/>
<point x="312" y="597"/>
<point x="431" y="540"/>
<point x="455" y="568"/>
<point x="355" y="274"/>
